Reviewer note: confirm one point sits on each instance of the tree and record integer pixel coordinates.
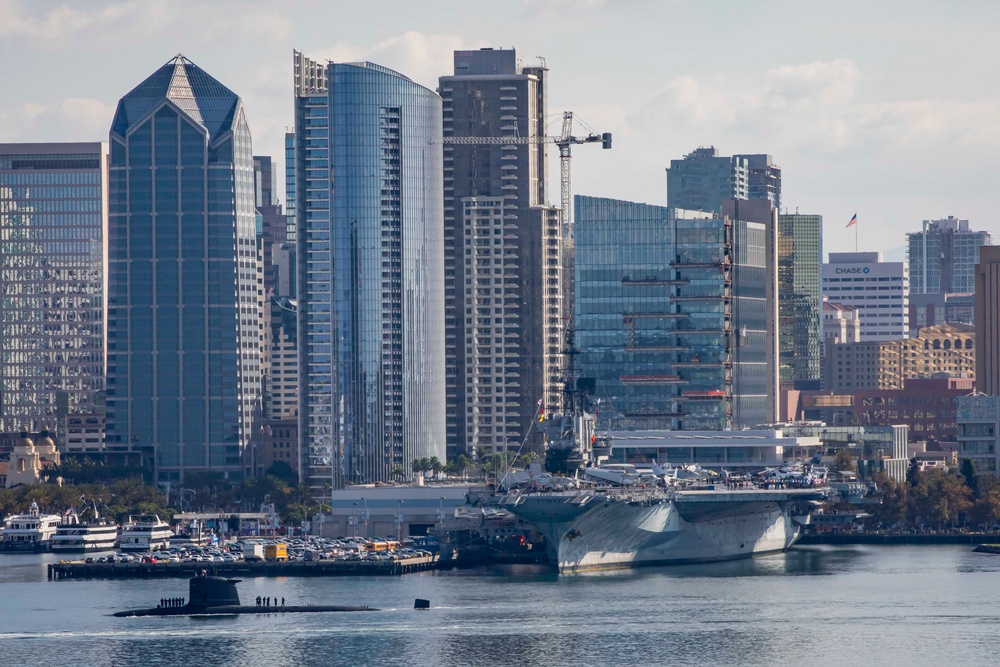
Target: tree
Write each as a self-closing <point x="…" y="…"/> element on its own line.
<point x="939" y="498"/>
<point x="434" y="465"/>
<point x="969" y="473"/>
<point x="526" y="459"/>
<point x="418" y="466"/>
<point x="893" y="496"/>
<point x="843" y="460"/>
<point x="459" y="464"/>
<point x="986" y="510"/>
<point x="398" y="473"/>
<point x="283" y="471"/>
<point x="913" y="473"/>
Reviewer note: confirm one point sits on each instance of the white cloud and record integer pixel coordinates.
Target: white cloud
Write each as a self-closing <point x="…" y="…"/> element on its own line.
<point x="135" y="21"/>
<point x="419" y="56"/>
<point x="813" y="106"/>
<point x="64" y="22"/>
<point x="71" y="119"/>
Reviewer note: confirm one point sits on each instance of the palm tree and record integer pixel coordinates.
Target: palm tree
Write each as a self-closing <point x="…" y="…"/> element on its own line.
<point x="8" y="502"/>
<point x="420" y="466"/>
<point x="434" y="465"/>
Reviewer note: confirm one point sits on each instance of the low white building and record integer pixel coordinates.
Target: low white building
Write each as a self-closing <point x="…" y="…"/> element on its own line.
<point x="732" y="450"/>
<point x="368" y="510"/>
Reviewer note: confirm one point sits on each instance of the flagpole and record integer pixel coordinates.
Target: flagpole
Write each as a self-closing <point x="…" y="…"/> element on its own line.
<point x="855" y="237"/>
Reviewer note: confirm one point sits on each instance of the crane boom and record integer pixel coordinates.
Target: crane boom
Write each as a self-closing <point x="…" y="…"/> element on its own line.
<point x="564" y="142"/>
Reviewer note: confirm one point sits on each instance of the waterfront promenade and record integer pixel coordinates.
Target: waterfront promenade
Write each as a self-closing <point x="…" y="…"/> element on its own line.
<point x="881" y="537"/>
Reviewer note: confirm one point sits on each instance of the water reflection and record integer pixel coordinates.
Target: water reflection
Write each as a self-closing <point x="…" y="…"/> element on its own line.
<point x="813" y="605"/>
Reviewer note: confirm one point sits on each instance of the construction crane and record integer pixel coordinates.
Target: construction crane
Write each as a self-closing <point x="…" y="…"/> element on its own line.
<point x="564" y="141"/>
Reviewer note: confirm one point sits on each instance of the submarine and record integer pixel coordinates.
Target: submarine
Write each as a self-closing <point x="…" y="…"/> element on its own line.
<point x="210" y="595"/>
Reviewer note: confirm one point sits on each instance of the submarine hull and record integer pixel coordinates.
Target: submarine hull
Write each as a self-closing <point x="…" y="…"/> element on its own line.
<point x="230" y="610"/>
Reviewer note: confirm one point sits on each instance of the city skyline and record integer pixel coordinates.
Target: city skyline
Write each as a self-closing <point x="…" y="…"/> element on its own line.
<point x="854" y="104"/>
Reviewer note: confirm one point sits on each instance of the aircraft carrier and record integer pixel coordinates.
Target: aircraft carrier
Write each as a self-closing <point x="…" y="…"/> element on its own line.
<point x="595" y="529"/>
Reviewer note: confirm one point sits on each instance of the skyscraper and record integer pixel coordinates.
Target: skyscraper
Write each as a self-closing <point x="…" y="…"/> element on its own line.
<point x="676" y="314"/>
<point x="988" y="321"/>
<point x="371" y="283"/>
<point x="53" y="236"/>
<point x="503" y="254"/>
<point x="272" y="229"/>
<point x="703" y="180"/>
<point x="183" y="295"/>
<point x="942" y="256"/>
<point x="265" y="181"/>
<point x="800" y="258"/>
<point x="290" y="186"/>
<point x="878" y="289"/>
<point x="763" y="179"/>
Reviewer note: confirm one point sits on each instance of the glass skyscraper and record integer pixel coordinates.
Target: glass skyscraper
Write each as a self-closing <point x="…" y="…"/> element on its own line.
<point x="942" y="257"/>
<point x="800" y="260"/>
<point x="370" y="228"/>
<point x="184" y="276"/>
<point x="53" y="223"/>
<point x="675" y="316"/>
<point x="703" y="180"/>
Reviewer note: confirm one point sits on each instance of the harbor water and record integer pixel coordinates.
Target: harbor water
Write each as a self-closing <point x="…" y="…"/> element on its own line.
<point x="845" y="605"/>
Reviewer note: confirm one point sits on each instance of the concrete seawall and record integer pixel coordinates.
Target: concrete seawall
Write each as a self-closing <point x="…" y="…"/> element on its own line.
<point x="322" y="568"/>
<point x="868" y="538"/>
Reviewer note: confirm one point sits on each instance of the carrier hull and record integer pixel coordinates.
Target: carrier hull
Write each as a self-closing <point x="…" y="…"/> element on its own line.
<point x="593" y="531"/>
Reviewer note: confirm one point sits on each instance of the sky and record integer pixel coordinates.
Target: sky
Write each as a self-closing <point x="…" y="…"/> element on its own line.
<point x="886" y="110"/>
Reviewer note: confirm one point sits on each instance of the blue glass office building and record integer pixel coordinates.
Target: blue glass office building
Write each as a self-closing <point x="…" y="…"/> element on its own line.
<point x="53" y="215"/>
<point x="675" y="315"/>
<point x="184" y="294"/>
<point x="370" y="240"/>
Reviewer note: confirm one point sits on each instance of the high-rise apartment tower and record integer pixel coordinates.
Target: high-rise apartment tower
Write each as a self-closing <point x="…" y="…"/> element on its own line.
<point x="503" y="254"/>
<point x="942" y="257"/>
<point x="703" y="180"/>
<point x="371" y="264"/>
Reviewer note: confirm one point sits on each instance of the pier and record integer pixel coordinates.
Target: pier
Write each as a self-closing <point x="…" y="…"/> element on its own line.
<point x="320" y="568"/>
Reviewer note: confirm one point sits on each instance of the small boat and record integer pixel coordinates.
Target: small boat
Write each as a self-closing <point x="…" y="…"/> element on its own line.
<point x="29" y="532"/>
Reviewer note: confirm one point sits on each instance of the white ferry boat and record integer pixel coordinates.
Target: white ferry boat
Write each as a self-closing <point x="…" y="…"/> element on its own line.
<point x="145" y="533"/>
<point x="77" y="536"/>
<point x="29" y="532"/>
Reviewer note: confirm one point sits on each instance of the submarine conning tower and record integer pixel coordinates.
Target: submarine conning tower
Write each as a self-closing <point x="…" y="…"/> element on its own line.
<point x="208" y="591"/>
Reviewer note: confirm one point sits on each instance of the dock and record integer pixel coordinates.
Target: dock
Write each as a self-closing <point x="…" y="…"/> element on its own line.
<point x="320" y="568"/>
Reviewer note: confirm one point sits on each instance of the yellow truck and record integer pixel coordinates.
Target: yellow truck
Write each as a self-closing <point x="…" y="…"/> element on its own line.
<point x="276" y="552"/>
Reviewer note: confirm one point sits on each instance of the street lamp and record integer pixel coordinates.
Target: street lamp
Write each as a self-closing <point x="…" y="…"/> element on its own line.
<point x="441" y="511"/>
<point x="364" y="517"/>
<point x="399" y="520"/>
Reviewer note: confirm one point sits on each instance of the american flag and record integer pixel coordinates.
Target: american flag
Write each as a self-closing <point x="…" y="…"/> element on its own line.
<point x="853" y="221"/>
